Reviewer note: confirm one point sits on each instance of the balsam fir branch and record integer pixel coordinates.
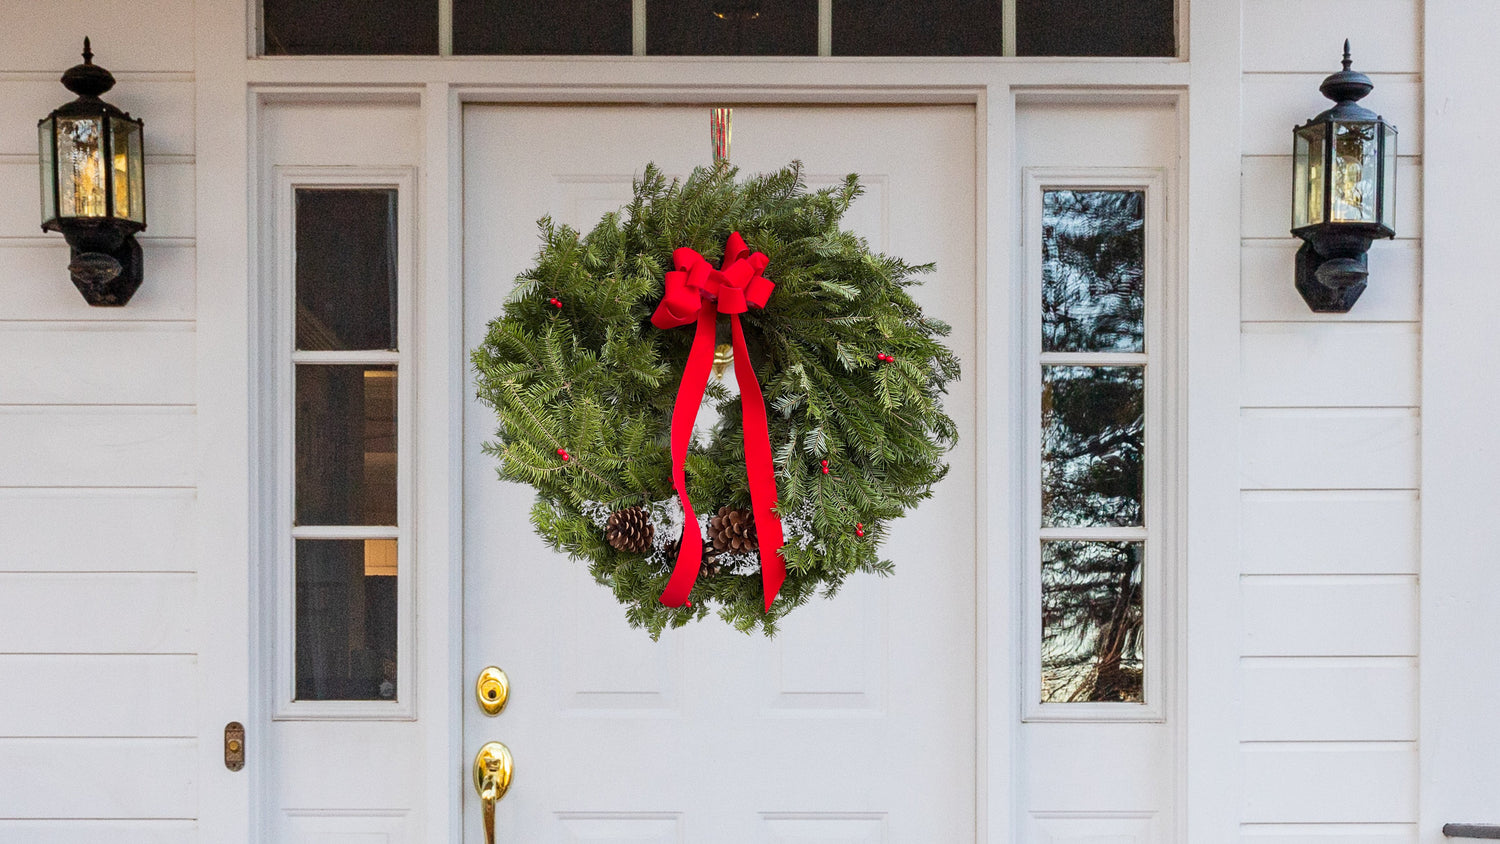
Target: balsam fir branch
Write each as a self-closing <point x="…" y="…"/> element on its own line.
<point x="583" y="387"/>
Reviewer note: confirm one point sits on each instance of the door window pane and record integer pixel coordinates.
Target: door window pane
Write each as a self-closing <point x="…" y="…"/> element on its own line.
<point x="916" y="28"/>
<point x="1093" y="271"/>
<point x="541" y="27"/>
<point x="346" y="619"/>
<point x="346" y="445"/>
<point x="1093" y="444"/>
<point x="1095" y="28"/>
<point x="732" y="28"/>
<point x="1093" y="618"/>
<point x="350" y="27"/>
<point x="346" y="269"/>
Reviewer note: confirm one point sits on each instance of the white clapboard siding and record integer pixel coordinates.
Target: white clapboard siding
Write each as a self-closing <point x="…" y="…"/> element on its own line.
<point x="169" y="199"/>
<point x="1328" y="365"/>
<point x="1330" y="782"/>
<point x="165" y="105"/>
<point x="1268" y="294"/>
<point x="1328" y="448"/>
<point x="1333" y="532"/>
<point x="49" y="36"/>
<point x="1266" y="197"/>
<point x="97" y="363"/>
<point x="1365" y="833"/>
<point x="98" y="778"/>
<point x="148" y="695"/>
<point x="1361" y="615"/>
<point x="152" y="831"/>
<point x="71" y="530"/>
<point x="1329" y="699"/>
<point x="125" y="613"/>
<point x="1274" y="103"/>
<point x="96" y="446"/>
<point x="34" y="284"/>
<point x="1284" y="36"/>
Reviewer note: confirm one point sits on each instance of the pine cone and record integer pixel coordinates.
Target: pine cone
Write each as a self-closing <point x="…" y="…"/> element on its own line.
<point x="732" y="530"/>
<point x="630" y="530"/>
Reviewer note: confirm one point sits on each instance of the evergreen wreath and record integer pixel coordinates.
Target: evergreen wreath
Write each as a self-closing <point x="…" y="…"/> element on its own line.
<point x="583" y="386"/>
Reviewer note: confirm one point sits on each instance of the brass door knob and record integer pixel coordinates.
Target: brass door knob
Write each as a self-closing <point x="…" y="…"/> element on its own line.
<point x="493" y="766"/>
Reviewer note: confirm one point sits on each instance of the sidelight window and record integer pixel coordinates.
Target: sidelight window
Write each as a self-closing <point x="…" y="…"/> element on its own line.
<point x="345" y="411"/>
<point x="1096" y="498"/>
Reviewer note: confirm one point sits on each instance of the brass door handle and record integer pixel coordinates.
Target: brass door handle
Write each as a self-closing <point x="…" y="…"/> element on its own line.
<point x="493" y="766"/>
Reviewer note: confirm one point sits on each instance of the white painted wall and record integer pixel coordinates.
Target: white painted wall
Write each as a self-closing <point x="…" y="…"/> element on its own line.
<point x="99" y="631"/>
<point x="1329" y="434"/>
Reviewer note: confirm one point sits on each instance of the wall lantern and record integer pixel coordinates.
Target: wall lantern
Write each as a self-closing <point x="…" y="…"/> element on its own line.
<point x="94" y="185"/>
<point x="1343" y="192"/>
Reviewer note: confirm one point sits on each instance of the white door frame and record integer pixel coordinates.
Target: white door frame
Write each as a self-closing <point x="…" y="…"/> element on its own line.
<point x="231" y="89"/>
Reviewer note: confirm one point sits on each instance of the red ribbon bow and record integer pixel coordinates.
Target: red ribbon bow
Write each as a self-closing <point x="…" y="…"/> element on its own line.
<point x="697" y="291"/>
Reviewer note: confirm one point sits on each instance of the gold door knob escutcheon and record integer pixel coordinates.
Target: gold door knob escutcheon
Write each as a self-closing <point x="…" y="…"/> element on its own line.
<point x="492" y="690"/>
<point x="493" y="766"/>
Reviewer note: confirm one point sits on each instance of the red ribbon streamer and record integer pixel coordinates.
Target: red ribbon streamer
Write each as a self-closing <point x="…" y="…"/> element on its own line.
<point x="695" y="291"/>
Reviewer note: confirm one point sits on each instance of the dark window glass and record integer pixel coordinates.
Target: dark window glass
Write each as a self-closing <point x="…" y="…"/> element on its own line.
<point x="350" y="27"/>
<point x="346" y="269"/>
<point x="732" y="27"/>
<point x="1093" y="271"/>
<point x="346" y="445"/>
<point x="917" y="28"/>
<point x="1093" y="445"/>
<point x="541" y="27"/>
<point x="1092" y="622"/>
<point x="346" y="619"/>
<point x="1095" y="28"/>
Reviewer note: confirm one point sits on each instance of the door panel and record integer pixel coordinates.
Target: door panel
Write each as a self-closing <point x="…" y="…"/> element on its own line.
<point x="857" y="722"/>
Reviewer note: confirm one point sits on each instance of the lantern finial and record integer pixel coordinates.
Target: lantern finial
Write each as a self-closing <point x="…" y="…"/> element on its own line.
<point x="1347" y="59"/>
<point x="88" y="79"/>
<point x="88" y="53"/>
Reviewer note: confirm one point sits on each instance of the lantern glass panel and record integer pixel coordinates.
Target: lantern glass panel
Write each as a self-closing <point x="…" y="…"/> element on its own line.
<point x="1307" y="180"/>
<point x="1356" y="169"/>
<point x="80" y="154"/>
<point x="49" y="169"/>
<point x="130" y="199"/>
<point x="1388" y="179"/>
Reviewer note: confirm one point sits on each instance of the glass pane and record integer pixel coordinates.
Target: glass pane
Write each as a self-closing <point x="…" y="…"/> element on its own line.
<point x="1388" y="197"/>
<point x="81" y="177"/>
<point x="350" y="27"/>
<point x="49" y="165"/>
<point x="1095" y="28"/>
<point x="1307" y="176"/>
<point x="346" y="619"/>
<point x="1356" y="157"/>
<point x="1093" y="271"/>
<point x="1092" y="622"/>
<point x="541" y="27"/>
<point x="1092" y="445"/>
<point x="346" y="269"/>
<point x="130" y="200"/>
<point x="915" y="28"/>
<point x="732" y="27"/>
<point x="346" y="445"/>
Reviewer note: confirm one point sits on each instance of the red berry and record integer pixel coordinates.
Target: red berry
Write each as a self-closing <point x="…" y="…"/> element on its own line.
<point x="859" y="528"/>
<point x="825" y="467"/>
<point x="563" y="453"/>
<point x="556" y="302"/>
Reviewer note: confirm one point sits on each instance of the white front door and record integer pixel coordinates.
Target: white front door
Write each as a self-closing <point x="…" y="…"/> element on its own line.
<point x="858" y="722"/>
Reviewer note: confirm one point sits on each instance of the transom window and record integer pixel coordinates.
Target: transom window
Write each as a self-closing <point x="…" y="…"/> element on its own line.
<point x="720" y="27"/>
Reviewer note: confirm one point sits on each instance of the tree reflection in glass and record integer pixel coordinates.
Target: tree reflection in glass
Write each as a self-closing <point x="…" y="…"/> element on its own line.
<point x="1093" y="271"/>
<point x="1092" y="622"/>
<point x="1092" y="445"/>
